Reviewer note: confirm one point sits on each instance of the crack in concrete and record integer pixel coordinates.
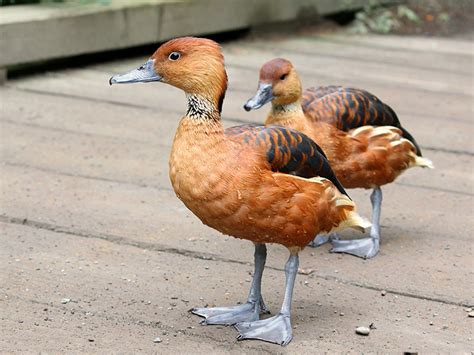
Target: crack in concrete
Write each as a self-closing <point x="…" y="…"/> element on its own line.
<point x="206" y="256"/>
<point x="88" y="177"/>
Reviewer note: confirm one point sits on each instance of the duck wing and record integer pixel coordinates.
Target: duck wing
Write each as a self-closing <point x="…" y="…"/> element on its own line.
<point x="287" y="151"/>
<point x="349" y="108"/>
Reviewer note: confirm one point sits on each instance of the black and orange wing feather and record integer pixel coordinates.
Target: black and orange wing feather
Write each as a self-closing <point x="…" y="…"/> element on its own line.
<point x="348" y="108"/>
<point x="288" y="151"/>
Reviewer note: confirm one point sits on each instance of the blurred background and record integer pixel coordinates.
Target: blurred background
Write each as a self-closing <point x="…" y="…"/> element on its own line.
<point x="42" y="30"/>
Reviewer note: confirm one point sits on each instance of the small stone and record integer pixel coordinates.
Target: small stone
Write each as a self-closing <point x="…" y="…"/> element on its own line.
<point x="383" y="293"/>
<point x="157" y="340"/>
<point x="306" y="282"/>
<point x="468" y="309"/>
<point x="65" y="300"/>
<point x="362" y="331"/>
<point x="470" y="314"/>
<point x="305" y="271"/>
<point x="341" y="314"/>
<point x="90" y="340"/>
<point x="431" y="323"/>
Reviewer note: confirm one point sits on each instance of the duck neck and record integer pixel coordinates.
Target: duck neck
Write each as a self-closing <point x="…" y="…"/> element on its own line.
<point x="202" y="109"/>
<point x="202" y="118"/>
<point x="287" y="109"/>
<point x="286" y="112"/>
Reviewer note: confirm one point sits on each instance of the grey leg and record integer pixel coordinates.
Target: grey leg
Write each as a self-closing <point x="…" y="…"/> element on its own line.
<point x="376" y="199"/>
<point x="323" y="239"/>
<point x="276" y="329"/>
<point x="249" y="311"/>
<point x="367" y="247"/>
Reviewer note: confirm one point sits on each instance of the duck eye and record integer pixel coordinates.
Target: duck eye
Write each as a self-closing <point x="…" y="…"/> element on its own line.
<point x="283" y="77"/>
<point x="174" y="56"/>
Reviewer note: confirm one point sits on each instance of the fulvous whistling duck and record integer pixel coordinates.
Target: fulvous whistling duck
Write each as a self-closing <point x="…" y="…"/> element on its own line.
<point x="239" y="180"/>
<point x="365" y="157"/>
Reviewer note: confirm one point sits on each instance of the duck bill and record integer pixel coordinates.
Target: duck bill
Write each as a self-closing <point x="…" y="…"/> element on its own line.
<point x="264" y="94"/>
<point x="144" y="74"/>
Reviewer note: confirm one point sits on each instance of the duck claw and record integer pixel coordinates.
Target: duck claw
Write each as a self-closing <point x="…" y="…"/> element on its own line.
<point x="365" y="248"/>
<point x="322" y="239"/>
<point x="228" y="315"/>
<point x="318" y="241"/>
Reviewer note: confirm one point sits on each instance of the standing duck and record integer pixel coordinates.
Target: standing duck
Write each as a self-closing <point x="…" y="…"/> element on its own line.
<point x="262" y="184"/>
<point x="365" y="157"/>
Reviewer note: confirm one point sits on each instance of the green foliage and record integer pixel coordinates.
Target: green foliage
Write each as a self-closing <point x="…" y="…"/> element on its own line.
<point x="380" y="19"/>
<point x="409" y="14"/>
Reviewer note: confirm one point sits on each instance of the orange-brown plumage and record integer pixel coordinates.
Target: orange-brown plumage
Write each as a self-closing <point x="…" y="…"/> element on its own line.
<point x="263" y="184"/>
<point x="225" y="177"/>
<point x="366" y="157"/>
<point x="237" y="193"/>
<point x="349" y="108"/>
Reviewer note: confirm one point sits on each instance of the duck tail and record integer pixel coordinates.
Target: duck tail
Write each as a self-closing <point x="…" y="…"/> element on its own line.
<point x="355" y="221"/>
<point x="423" y="162"/>
<point x="408" y="136"/>
<point x="350" y="219"/>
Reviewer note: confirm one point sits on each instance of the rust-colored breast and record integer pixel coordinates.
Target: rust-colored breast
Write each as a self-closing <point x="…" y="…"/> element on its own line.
<point x="226" y="179"/>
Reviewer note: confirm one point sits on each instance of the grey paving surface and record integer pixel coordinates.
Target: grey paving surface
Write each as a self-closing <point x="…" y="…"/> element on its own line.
<point x="87" y="212"/>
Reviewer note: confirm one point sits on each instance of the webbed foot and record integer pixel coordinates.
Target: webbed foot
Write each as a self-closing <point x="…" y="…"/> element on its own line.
<point x="246" y="312"/>
<point x="276" y="329"/>
<point x="363" y="248"/>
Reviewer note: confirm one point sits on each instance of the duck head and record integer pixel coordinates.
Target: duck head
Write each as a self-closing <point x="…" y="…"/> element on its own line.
<point x="278" y="83"/>
<point x="194" y="65"/>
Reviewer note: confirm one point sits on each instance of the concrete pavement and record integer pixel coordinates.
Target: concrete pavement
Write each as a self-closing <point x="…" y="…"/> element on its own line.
<point x="88" y="214"/>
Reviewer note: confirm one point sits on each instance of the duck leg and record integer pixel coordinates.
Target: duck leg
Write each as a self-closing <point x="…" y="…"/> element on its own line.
<point x="323" y="239"/>
<point x="276" y="329"/>
<point x="367" y="247"/>
<point x="248" y="311"/>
